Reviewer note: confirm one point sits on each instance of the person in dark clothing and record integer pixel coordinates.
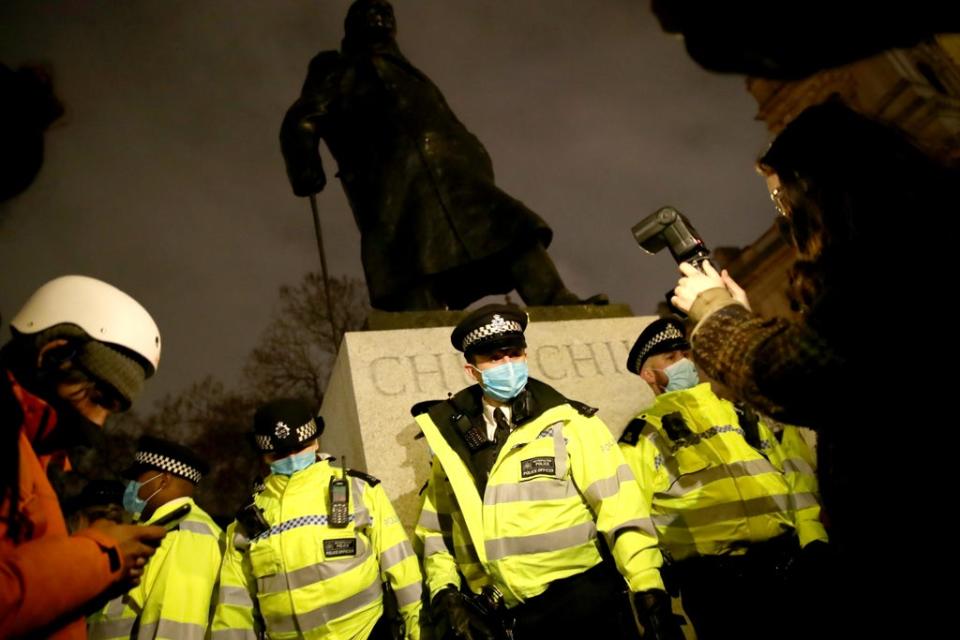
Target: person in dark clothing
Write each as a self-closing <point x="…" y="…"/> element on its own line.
<point x="436" y="231"/>
<point x="27" y="109"/>
<point x="793" y="39"/>
<point x="853" y="191"/>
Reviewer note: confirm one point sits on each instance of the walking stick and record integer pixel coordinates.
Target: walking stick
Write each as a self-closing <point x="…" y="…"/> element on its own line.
<point x="323" y="268"/>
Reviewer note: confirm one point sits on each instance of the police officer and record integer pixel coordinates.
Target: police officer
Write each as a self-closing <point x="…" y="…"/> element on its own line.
<point x="528" y="500"/>
<point x="732" y="507"/>
<point x="309" y="556"/>
<point x="173" y="599"/>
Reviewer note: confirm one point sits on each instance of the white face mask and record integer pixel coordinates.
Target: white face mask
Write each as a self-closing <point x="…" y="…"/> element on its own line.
<point x="682" y="374"/>
<point x="132" y="502"/>
<point x="505" y="381"/>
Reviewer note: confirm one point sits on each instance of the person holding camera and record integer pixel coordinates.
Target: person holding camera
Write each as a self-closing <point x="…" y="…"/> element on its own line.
<point x="81" y="350"/>
<point x="532" y="503"/>
<point x="319" y="552"/>
<point x="849" y="188"/>
<point x="737" y="517"/>
<point x="173" y="599"/>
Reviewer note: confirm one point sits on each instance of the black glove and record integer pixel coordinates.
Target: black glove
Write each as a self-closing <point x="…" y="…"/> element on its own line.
<point x="817" y="552"/>
<point x="656" y="616"/>
<point x="814" y="566"/>
<point x="456" y="618"/>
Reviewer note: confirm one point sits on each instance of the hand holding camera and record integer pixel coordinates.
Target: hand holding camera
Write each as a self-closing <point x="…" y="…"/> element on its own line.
<point x="693" y="283"/>
<point x="670" y="229"/>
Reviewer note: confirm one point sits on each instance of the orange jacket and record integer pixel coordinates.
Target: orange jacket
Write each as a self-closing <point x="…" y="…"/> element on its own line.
<point x="47" y="578"/>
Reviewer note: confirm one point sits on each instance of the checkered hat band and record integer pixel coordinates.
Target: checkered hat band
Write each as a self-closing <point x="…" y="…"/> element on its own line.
<point x="168" y="464"/>
<point x="496" y="327"/>
<point x="669" y="333"/>
<point x="306" y="431"/>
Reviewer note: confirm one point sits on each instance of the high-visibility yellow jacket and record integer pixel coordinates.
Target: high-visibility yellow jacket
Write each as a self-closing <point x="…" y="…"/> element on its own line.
<point x="715" y="482"/>
<point x="557" y="482"/>
<point x="303" y="578"/>
<point x="175" y="592"/>
<point x="798" y="462"/>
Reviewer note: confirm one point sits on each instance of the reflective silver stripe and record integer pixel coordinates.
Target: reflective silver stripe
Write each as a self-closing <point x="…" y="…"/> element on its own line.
<point x="235" y="595"/>
<point x="395" y="554"/>
<point x="234" y="634"/>
<point x="197" y="527"/>
<point x="435" y="544"/>
<point x="798" y="465"/>
<point x="361" y="517"/>
<point x="321" y="616"/>
<point x="533" y="491"/>
<point x="409" y="594"/>
<point x="664" y="457"/>
<point x="435" y="521"/>
<point x="106" y="629"/>
<point x="803" y="500"/>
<point x="692" y="481"/>
<point x="559" y="449"/>
<point x="650" y="433"/>
<point x="359" y="486"/>
<point x="115" y="607"/>
<point x="312" y="573"/>
<point x="643" y="524"/>
<point x="607" y="487"/>
<point x="429" y="520"/>
<point x="563" y="539"/>
<point x="728" y="511"/>
<point x="166" y="628"/>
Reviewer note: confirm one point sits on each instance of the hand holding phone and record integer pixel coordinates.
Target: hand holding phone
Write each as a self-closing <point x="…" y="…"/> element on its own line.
<point x="173" y="517"/>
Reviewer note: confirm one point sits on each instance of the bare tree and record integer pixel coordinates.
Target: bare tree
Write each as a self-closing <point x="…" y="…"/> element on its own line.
<point x="297" y="351"/>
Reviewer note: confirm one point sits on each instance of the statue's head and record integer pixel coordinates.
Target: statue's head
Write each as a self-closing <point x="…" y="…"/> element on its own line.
<point x="370" y="22"/>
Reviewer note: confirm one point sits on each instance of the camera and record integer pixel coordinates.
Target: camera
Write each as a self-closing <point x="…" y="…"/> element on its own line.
<point x="668" y="228"/>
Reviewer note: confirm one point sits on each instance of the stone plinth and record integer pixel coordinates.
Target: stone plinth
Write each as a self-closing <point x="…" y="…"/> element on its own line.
<point x="379" y="375"/>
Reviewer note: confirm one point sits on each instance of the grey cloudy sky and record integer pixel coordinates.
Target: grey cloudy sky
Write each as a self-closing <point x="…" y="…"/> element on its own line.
<point x="165" y="178"/>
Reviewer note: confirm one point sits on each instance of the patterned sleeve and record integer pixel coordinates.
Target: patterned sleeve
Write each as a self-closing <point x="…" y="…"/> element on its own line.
<point x="774" y="364"/>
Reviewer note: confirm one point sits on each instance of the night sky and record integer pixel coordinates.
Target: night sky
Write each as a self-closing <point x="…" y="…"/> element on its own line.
<point x="165" y="177"/>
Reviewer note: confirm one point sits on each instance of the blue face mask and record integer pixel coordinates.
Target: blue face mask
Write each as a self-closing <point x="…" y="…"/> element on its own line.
<point x="505" y="381"/>
<point x="293" y="463"/>
<point x="682" y="374"/>
<point x="132" y="502"/>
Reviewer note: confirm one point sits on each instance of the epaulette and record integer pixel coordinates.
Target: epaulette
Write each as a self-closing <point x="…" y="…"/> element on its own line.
<point x="631" y="435"/>
<point x="366" y="477"/>
<point x="583" y="409"/>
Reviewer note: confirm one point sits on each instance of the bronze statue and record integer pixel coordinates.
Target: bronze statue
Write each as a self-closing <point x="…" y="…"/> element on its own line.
<point x="436" y="232"/>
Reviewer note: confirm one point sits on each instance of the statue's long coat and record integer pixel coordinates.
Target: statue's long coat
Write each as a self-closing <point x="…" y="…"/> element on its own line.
<point x="421" y="186"/>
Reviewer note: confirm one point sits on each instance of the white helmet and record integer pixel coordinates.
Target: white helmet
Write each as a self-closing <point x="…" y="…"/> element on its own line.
<point x="104" y="312"/>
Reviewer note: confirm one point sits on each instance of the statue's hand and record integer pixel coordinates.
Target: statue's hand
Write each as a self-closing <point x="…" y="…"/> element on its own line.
<point x="308" y="182"/>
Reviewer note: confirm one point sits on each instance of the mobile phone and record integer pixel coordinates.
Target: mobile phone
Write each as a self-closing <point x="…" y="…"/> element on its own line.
<point x="339" y="499"/>
<point x="172" y="517"/>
